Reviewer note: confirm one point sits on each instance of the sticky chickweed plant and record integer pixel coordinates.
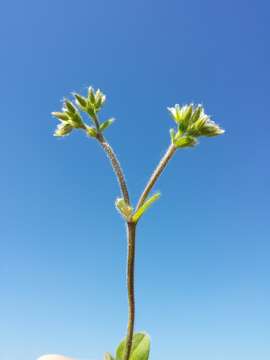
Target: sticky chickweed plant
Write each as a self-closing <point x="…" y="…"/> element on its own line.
<point x="191" y="122"/>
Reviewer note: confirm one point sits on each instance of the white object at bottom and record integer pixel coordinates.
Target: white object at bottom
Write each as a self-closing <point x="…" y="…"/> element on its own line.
<point x="54" y="357"/>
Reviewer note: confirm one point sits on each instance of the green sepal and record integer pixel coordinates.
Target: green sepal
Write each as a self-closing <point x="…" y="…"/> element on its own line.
<point x="185" y="141"/>
<point x="108" y="356"/>
<point x="124" y="209"/>
<point x="106" y="124"/>
<point x="144" y="207"/>
<point x="140" y="347"/>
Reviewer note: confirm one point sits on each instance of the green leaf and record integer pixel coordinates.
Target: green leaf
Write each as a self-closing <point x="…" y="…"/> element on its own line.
<point x="140" y="347"/>
<point x="108" y="356"/>
<point x="144" y="207"/>
<point x="106" y="124"/>
<point x="91" y="131"/>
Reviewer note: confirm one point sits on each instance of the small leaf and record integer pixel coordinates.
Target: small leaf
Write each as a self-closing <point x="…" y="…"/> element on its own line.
<point x="91" y="131"/>
<point x="108" y="356"/>
<point x="106" y="124"/>
<point x="144" y="207"/>
<point x="140" y="347"/>
<point x="172" y="135"/>
<point x="124" y="209"/>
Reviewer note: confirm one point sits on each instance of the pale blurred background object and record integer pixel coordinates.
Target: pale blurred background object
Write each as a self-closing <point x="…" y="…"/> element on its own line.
<point x="54" y="357"/>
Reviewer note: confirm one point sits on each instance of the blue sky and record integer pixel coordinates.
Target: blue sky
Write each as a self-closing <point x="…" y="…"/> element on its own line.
<point x="202" y="274"/>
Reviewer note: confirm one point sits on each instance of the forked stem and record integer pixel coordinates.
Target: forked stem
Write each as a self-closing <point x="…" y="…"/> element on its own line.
<point x="131" y="228"/>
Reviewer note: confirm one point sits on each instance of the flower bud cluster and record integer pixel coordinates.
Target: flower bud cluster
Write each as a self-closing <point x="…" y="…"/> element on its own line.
<point x="70" y="117"/>
<point x="192" y="122"/>
<point x="92" y="103"/>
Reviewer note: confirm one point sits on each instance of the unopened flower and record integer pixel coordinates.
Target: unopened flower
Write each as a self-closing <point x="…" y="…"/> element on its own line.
<point x="63" y="129"/>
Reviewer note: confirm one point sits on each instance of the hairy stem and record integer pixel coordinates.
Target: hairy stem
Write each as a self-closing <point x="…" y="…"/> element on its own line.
<point x="159" y="169"/>
<point x="131" y="235"/>
<point x="116" y="167"/>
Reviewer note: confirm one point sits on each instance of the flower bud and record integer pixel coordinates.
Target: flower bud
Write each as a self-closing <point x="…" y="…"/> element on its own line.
<point x="196" y="128"/>
<point x="61" y="116"/>
<point x="91" y="95"/>
<point x="77" y="121"/>
<point x="63" y="129"/>
<point x="80" y="100"/>
<point x="91" y="110"/>
<point x="196" y="114"/>
<point x="211" y="129"/>
<point x="70" y="107"/>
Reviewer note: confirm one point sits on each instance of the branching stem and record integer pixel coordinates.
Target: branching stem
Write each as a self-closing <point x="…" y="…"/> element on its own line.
<point x="131" y="227"/>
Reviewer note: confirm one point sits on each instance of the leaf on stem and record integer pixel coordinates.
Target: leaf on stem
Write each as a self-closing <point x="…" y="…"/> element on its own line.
<point x="124" y="209"/>
<point x="106" y="124"/>
<point x="144" y="207"/>
<point x="140" y="347"/>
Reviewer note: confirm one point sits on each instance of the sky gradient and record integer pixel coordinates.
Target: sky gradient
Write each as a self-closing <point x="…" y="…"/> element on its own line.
<point x="202" y="275"/>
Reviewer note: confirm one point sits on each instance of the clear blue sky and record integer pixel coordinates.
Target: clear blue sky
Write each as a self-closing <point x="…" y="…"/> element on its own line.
<point x="203" y="250"/>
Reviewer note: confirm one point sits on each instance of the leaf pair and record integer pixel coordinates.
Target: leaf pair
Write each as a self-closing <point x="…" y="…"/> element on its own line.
<point x="139" y="351"/>
<point x="127" y="211"/>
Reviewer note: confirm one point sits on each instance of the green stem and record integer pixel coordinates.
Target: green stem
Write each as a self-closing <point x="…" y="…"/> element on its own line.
<point x="131" y="235"/>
